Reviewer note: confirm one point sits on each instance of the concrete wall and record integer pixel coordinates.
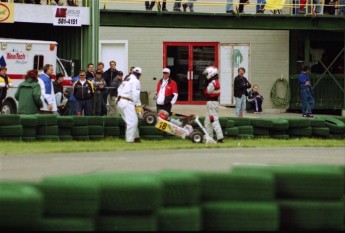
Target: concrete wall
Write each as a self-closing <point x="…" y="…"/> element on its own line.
<point x="269" y="51"/>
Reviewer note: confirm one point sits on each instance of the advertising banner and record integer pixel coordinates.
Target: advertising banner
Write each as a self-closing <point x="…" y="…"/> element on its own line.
<point x="6" y="12"/>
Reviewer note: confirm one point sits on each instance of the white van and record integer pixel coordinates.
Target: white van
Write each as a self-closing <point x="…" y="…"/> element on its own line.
<point x="19" y="56"/>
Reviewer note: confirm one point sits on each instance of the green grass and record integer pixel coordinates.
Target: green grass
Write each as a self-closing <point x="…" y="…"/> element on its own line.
<point x="15" y="148"/>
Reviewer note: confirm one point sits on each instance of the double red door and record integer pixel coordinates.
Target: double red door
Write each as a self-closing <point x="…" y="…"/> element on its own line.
<point x="187" y="61"/>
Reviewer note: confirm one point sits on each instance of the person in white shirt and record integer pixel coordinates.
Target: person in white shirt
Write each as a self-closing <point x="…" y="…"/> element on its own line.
<point x="128" y="104"/>
<point x="47" y="90"/>
<point x="166" y="92"/>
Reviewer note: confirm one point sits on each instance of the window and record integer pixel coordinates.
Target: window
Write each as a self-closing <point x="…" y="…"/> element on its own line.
<point x="38" y="62"/>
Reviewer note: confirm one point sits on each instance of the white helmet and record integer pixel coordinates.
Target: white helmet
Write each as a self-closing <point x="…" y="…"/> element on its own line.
<point x="210" y="72"/>
<point x="137" y="70"/>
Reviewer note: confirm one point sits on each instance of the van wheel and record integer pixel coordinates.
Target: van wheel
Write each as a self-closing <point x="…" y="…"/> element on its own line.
<point x="196" y="136"/>
<point x="8" y="107"/>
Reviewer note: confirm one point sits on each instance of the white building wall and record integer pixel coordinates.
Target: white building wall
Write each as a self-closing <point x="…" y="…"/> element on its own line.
<point x="269" y="51"/>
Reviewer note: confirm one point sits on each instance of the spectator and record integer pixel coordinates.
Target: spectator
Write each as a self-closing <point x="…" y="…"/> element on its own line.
<point x="83" y="91"/>
<point x="72" y="98"/>
<point x="47" y="90"/>
<point x="306" y="91"/>
<point x="109" y="76"/>
<point x="131" y="70"/>
<point x="99" y="85"/>
<point x="230" y="7"/>
<point x="189" y="4"/>
<point x="5" y="84"/>
<point x="329" y="8"/>
<point x="342" y="8"/>
<point x="113" y="94"/>
<point x="72" y="2"/>
<point x="90" y="74"/>
<point x="177" y="5"/>
<point x="100" y="66"/>
<point x="241" y="5"/>
<point x="28" y="94"/>
<point x="58" y="88"/>
<point x="166" y="92"/>
<point x="149" y="6"/>
<point x="241" y="85"/>
<point x="260" y="7"/>
<point x="255" y="99"/>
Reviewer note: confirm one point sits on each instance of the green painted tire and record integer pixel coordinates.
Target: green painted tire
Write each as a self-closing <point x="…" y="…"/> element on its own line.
<point x="320" y="132"/>
<point x="47" y="130"/>
<point x="96" y="137"/>
<point x="302" y="132"/>
<point x="180" y="219"/>
<point x="9" y="120"/>
<point x="280" y="124"/>
<point x="29" y="131"/>
<point x="28" y="120"/>
<point x="48" y="138"/>
<point x="96" y="130"/>
<point x="112" y="131"/>
<point x="94" y="120"/>
<point x="80" y="131"/>
<point x="80" y="120"/>
<point x="66" y="138"/>
<point x="261" y="123"/>
<point x="11" y="130"/>
<point x="65" y="224"/>
<point x="240" y="121"/>
<point x="65" y="131"/>
<point x="297" y="122"/>
<point x="223" y="121"/>
<point x="245" y="129"/>
<point x="46" y="119"/>
<point x="230" y="132"/>
<point x="127" y="222"/>
<point x="280" y="136"/>
<point x="335" y="126"/>
<point x="81" y="138"/>
<point x="65" y="121"/>
<point x="110" y="121"/>
<point x="230" y="124"/>
<point x="261" y="131"/>
<point x="150" y="130"/>
<point x="317" y="123"/>
<point x="28" y="139"/>
<point x="246" y="136"/>
<point x="240" y="216"/>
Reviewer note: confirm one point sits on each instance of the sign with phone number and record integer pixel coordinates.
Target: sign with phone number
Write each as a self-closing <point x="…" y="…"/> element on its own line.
<point x="68" y="22"/>
<point x="67" y="16"/>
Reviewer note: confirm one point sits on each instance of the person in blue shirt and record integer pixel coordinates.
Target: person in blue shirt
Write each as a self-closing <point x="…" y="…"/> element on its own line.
<point x="306" y="91"/>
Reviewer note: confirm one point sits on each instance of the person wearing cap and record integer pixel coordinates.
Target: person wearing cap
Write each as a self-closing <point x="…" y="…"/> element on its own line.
<point x="28" y="94"/>
<point x="99" y="85"/>
<point x="166" y="92"/>
<point x="129" y="104"/>
<point x="113" y="94"/>
<point x="5" y="84"/>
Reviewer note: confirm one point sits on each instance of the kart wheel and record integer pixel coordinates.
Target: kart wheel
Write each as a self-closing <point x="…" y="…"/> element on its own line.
<point x="196" y="136"/>
<point x="150" y="118"/>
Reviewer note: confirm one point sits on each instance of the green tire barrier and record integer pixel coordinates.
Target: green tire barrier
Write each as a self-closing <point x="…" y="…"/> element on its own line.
<point x="240" y="121"/>
<point x="237" y="186"/>
<point x="320" y="132"/>
<point x="223" y="121"/>
<point x="336" y="136"/>
<point x="69" y="196"/>
<point x="280" y="136"/>
<point x="29" y="131"/>
<point x="111" y="131"/>
<point x="261" y="123"/>
<point x="335" y="126"/>
<point x="180" y="219"/>
<point x="297" y="122"/>
<point x="246" y="136"/>
<point x="317" y="123"/>
<point x="9" y="120"/>
<point x="304" y="182"/>
<point x="110" y="121"/>
<point x="48" y="130"/>
<point x="46" y="119"/>
<point x="303" y="132"/>
<point x="342" y="118"/>
<point x="56" y="224"/>
<point x="80" y="131"/>
<point x="230" y="124"/>
<point x="21" y="206"/>
<point x="11" y="131"/>
<point x="96" y="130"/>
<point x="47" y="137"/>
<point x="96" y="137"/>
<point x="28" y="120"/>
<point x="127" y="222"/>
<point x="152" y="137"/>
<point x="80" y="120"/>
<point x="65" y="131"/>
<point x="149" y="130"/>
<point x="126" y="193"/>
<point x="245" y="129"/>
<point x="66" y="138"/>
<point x="81" y="138"/>
<point x="311" y="215"/>
<point x="94" y="120"/>
<point x="261" y="131"/>
<point x="280" y="124"/>
<point x="180" y="188"/>
<point x="240" y="216"/>
<point x="65" y="121"/>
<point x="231" y="132"/>
<point x="28" y="139"/>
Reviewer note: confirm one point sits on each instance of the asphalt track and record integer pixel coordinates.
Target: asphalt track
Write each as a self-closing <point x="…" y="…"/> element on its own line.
<point x="35" y="167"/>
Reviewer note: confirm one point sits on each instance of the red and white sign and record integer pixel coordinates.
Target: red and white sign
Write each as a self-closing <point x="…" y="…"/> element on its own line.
<point x="67" y="16"/>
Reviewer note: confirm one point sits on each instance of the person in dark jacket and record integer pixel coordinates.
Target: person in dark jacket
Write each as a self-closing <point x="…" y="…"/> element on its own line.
<point x="5" y="84"/>
<point x="255" y="99"/>
<point x="99" y="84"/>
<point x="241" y="85"/>
<point x="83" y="91"/>
<point x="58" y="88"/>
<point x="109" y="75"/>
<point x="28" y="94"/>
<point x="90" y="73"/>
<point x="113" y="94"/>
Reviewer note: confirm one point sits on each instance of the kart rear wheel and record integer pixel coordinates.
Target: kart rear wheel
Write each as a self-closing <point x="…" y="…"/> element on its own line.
<point x="196" y="136"/>
<point x="150" y="118"/>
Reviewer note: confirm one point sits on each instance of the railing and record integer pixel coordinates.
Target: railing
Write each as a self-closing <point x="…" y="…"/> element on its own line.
<point x="52" y="2"/>
<point x="218" y="6"/>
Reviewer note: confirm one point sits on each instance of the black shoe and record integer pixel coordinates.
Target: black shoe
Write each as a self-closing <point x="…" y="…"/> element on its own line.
<point x="220" y="140"/>
<point x="137" y="140"/>
<point x="177" y="10"/>
<point x="305" y="115"/>
<point x="309" y="115"/>
<point x="164" y="9"/>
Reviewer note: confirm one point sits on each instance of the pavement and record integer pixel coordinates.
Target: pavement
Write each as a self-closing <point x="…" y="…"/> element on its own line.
<point x="35" y="167"/>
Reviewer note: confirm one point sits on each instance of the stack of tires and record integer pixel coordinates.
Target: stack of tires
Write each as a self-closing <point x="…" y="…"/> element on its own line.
<point x="336" y="126"/>
<point x="29" y="123"/>
<point x="21" y="207"/>
<point x="299" y="127"/>
<point x="128" y="202"/>
<point x="65" y="125"/>
<point x="70" y="204"/>
<point x="47" y="129"/>
<point x="80" y="130"/>
<point x="279" y="129"/>
<point x="261" y="127"/>
<point x="242" y="126"/>
<point x="309" y="197"/>
<point x="96" y="129"/>
<point x="111" y="126"/>
<point x="230" y="129"/>
<point x="239" y="202"/>
<point x="10" y="128"/>
<point x="181" y="209"/>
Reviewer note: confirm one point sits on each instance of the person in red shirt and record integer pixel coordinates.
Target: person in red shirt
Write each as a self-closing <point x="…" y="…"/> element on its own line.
<point x="166" y="93"/>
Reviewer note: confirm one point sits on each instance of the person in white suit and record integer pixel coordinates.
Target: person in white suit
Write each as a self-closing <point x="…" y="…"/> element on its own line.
<point x="47" y="90"/>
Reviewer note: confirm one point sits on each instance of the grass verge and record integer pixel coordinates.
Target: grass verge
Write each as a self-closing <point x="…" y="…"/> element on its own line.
<point x="22" y="148"/>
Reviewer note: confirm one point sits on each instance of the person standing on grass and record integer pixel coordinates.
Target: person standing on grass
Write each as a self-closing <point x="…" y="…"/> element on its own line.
<point x="241" y="85"/>
<point x="306" y="91"/>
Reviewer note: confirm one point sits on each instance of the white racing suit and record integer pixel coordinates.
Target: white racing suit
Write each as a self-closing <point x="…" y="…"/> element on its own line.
<point x="128" y="99"/>
<point x="212" y="93"/>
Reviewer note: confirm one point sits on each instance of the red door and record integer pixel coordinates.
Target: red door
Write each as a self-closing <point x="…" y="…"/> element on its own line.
<point x="187" y="61"/>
